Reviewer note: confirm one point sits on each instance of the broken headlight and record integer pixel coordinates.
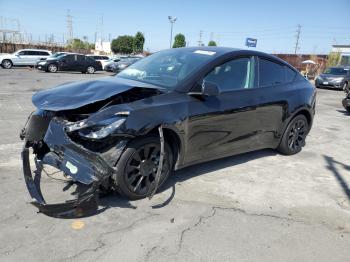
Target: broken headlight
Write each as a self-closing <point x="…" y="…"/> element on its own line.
<point x="101" y="131"/>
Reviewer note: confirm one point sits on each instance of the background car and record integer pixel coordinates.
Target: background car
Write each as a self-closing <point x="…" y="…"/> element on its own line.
<point x="103" y="59"/>
<point x="70" y="62"/>
<point x="24" y="57"/>
<point x="334" y="77"/>
<point x="116" y="67"/>
<point x="105" y="64"/>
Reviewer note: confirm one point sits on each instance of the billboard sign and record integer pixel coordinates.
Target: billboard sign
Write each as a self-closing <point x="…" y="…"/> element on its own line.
<point x="251" y="42"/>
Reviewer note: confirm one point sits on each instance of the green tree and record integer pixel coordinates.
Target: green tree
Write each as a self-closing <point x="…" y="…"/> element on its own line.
<point x="212" y="43"/>
<point x="77" y="44"/>
<point x="123" y="44"/>
<point x="333" y="59"/>
<point x="180" y="41"/>
<point x="138" y="43"/>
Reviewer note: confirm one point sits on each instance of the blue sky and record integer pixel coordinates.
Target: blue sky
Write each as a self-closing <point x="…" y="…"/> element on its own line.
<point x="273" y="23"/>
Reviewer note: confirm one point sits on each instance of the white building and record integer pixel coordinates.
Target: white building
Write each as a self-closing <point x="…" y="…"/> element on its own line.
<point x="104" y="47"/>
<point x="344" y="51"/>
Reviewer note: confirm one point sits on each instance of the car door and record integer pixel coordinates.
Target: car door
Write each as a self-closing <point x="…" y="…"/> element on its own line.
<point x="20" y="58"/>
<point x="225" y="124"/>
<point x="80" y="63"/>
<point x="66" y="62"/>
<point x="275" y="89"/>
<point x="32" y="57"/>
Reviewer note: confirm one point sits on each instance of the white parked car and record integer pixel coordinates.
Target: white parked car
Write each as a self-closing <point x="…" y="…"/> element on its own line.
<point x="100" y="58"/>
<point x="24" y="57"/>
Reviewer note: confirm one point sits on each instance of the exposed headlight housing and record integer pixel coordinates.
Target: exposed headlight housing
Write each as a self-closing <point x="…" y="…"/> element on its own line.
<point x="99" y="132"/>
<point x="76" y="126"/>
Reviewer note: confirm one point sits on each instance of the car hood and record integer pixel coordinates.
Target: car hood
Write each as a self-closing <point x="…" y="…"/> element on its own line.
<point x="77" y="94"/>
<point x="331" y="76"/>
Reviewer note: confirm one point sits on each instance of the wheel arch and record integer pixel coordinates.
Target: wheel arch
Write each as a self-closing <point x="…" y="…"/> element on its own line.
<point x="305" y="111"/>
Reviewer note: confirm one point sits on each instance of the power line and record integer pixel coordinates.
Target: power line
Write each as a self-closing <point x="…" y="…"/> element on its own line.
<point x="297" y="38"/>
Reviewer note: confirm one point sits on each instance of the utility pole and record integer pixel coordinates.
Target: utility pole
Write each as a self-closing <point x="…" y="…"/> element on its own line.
<point x="200" y="38"/>
<point x="172" y="20"/>
<point x="297" y="38"/>
<point x="69" y="26"/>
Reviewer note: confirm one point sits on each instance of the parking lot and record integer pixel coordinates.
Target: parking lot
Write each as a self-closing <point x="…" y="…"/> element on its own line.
<point x="259" y="206"/>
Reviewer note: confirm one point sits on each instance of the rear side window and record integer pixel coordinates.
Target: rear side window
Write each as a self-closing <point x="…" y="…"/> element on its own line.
<point x="89" y="59"/>
<point x="68" y="57"/>
<point x="80" y="58"/>
<point x="43" y="53"/>
<point x="290" y="74"/>
<point x="270" y="73"/>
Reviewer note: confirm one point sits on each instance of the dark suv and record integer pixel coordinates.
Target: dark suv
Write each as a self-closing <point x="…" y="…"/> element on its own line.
<point x="334" y="77"/>
<point x="70" y="62"/>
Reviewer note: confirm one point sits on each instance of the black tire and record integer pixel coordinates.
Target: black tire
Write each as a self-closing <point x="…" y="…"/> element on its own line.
<point x="6" y="63"/>
<point x="90" y="70"/>
<point x="134" y="164"/>
<point x="294" y="136"/>
<point x="346" y="87"/>
<point x="52" y="68"/>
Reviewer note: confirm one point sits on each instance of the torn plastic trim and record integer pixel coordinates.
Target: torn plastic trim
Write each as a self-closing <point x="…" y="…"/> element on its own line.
<point x="153" y="189"/>
<point x="88" y="170"/>
<point x="85" y="204"/>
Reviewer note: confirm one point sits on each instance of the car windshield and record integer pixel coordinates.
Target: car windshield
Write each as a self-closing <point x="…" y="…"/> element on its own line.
<point x="167" y="68"/>
<point x="335" y="71"/>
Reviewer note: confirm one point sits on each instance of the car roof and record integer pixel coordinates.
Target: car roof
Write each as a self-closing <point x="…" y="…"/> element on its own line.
<point x="220" y="51"/>
<point x="29" y="49"/>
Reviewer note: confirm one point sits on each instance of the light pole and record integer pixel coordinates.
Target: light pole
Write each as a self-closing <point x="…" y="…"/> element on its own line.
<point x="172" y="21"/>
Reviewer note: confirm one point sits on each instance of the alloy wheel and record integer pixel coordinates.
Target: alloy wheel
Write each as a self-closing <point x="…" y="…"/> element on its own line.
<point x="52" y="68"/>
<point x="90" y="69"/>
<point x="141" y="168"/>
<point x="297" y="134"/>
<point x="7" y="64"/>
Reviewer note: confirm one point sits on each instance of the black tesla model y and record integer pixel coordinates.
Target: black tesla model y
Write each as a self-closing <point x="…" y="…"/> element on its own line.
<point x="172" y="109"/>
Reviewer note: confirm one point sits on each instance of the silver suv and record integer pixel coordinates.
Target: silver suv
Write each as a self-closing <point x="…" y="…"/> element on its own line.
<point x="24" y="57"/>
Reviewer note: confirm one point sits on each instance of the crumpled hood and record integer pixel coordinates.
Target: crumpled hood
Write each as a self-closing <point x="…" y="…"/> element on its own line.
<point x="77" y="94"/>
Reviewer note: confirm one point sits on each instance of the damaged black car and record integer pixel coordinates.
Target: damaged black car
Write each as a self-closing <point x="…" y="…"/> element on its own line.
<point x="175" y="108"/>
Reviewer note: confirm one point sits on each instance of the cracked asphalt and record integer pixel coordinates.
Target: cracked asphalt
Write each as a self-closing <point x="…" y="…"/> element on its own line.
<point x="259" y="206"/>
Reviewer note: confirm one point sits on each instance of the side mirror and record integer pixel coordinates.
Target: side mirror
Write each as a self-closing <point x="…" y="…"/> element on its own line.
<point x="207" y="89"/>
<point x="210" y="89"/>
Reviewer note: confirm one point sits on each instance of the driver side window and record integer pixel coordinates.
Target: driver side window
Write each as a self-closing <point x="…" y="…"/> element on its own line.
<point x="233" y="75"/>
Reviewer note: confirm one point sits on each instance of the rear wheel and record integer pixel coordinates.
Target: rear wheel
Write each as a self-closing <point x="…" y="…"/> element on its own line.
<point x="7" y="64"/>
<point x="294" y="136"/>
<point x="90" y="69"/>
<point x="137" y="167"/>
<point x="52" y="68"/>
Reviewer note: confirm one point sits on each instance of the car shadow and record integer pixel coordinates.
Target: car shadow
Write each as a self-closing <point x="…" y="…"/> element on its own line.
<point x="331" y="165"/>
<point x="344" y="112"/>
<point x="115" y="200"/>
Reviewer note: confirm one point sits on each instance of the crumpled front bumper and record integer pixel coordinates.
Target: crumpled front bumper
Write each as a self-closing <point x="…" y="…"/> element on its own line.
<point x="88" y="170"/>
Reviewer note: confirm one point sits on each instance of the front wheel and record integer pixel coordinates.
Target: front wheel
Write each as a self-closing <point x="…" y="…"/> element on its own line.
<point x="294" y="136"/>
<point x="7" y="64"/>
<point x="52" y="68"/>
<point x="346" y="87"/>
<point x="90" y="69"/>
<point x="137" y="167"/>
